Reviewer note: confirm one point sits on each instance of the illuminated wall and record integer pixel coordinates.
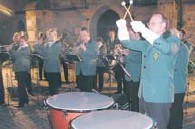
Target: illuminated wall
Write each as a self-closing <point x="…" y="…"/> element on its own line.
<point x="31" y="25"/>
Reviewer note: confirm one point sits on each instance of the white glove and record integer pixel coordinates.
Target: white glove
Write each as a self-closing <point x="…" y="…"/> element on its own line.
<point x="123" y="33"/>
<point x="137" y="26"/>
<point x="150" y="36"/>
<point x="121" y="23"/>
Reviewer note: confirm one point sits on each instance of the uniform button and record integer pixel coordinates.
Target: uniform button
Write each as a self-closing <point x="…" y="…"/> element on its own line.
<point x="144" y="67"/>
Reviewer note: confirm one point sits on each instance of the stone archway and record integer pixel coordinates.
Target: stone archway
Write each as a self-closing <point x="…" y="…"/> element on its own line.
<point x="103" y="19"/>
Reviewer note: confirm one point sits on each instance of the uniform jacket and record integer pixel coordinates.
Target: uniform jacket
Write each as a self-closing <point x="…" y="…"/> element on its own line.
<point x="111" y="45"/>
<point x="133" y="65"/>
<point x="102" y="53"/>
<point x="158" y="64"/>
<point x="180" y="73"/>
<point x="89" y="57"/>
<point x="21" y="59"/>
<point x="51" y="56"/>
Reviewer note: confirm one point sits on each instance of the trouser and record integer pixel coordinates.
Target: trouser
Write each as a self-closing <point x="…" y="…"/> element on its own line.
<point x="119" y="76"/>
<point x="159" y="112"/>
<point x="24" y="81"/>
<point x="2" y="94"/>
<point x="100" y="73"/>
<point x="40" y="63"/>
<point x="176" y="112"/>
<point x="131" y="91"/>
<point x="65" y="67"/>
<point x="54" y="79"/>
<point x="85" y="83"/>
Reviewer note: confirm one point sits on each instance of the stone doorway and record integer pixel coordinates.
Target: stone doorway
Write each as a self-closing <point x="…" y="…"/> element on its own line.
<point x="106" y="22"/>
<point x="103" y="19"/>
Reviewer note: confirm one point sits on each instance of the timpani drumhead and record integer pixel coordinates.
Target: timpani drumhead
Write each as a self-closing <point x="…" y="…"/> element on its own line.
<point x="112" y="119"/>
<point x="80" y="101"/>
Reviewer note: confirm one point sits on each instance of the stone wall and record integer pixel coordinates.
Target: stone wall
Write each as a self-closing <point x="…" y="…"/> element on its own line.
<point x="70" y="20"/>
<point x="189" y="21"/>
<point x="170" y="10"/>
<point x="67" y="18"/>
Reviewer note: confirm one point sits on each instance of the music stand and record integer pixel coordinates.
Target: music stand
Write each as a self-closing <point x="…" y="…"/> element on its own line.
<point x="4" y="57"/>
<point x="125" y="71"/>
<point x="107" y="62"/>
<point x="37" y="57"/>
<point x="129" y="75"/>
<point x="73" y="58"/>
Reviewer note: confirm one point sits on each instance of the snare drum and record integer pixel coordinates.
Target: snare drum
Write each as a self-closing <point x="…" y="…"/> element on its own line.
<point x="67" y="106"/>
<point x="112" y="119"/>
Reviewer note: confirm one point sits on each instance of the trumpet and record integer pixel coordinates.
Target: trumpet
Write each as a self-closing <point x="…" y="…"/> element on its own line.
<point x="7" y="48"/>
<point x="2" y="49"/>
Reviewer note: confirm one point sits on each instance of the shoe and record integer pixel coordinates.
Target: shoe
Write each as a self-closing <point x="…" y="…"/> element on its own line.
<point x="99" y="89"/>
<point x="20" y="105"/>
<point x="31" y="93"/>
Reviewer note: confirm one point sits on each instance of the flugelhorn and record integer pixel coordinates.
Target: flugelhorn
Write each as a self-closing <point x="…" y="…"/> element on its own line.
<point x="127" y="9"/>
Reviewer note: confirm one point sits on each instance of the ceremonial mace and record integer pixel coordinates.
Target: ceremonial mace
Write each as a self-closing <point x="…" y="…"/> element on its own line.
<point x="127" y="9"/>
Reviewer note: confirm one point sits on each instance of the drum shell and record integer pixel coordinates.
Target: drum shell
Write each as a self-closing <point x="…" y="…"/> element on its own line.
<point x="63" y="108"/>
<point x="61" y="119"/>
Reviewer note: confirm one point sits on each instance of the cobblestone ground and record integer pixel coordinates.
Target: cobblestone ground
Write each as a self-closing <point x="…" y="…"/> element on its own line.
<point x="34" y="116"/>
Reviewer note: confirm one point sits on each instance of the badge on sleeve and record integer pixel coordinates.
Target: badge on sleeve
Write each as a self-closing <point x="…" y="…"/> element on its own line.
<point x="156" y="56"/>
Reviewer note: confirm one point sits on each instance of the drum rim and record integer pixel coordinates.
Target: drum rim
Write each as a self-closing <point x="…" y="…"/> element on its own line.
<point x="80" y="110"/>
<point x="148" y="117"/>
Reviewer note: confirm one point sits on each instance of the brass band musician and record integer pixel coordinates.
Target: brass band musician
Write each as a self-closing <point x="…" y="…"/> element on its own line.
<point x="21" y="66"/>
<point x="39" y="45"/>
<point x="113" y="46"/>
<point x="86" y="70"/>
<point x="101" y="67"/>
<point x="51" y="54"/>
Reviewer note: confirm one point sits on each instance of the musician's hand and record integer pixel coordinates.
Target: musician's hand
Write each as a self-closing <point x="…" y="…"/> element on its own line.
<point x="123" y="33"/>
<point x="83" y="47"/>
<point x="134" y="35"/>
<point x="8" y="48"/>
<point x="137" y="26"/>
<point x="125" y="52"/>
